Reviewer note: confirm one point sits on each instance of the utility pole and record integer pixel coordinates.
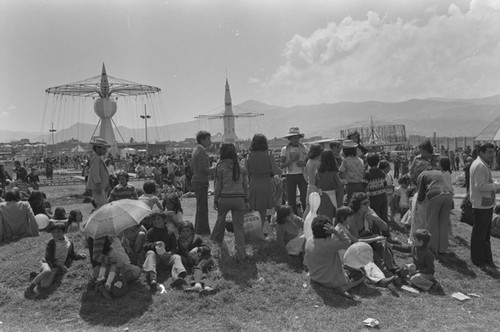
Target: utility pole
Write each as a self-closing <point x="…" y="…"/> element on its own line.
<point x="146" y="117"/>
<point x="52" y="131"/>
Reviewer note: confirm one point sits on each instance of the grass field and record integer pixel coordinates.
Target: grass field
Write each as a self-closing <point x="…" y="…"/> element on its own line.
<point x="270" y="292"/>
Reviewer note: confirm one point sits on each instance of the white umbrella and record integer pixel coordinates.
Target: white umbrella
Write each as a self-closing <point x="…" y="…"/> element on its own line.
<point x="115" y="217"/>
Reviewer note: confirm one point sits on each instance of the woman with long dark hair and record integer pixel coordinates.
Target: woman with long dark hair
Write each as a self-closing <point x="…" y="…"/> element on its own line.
<point x="231" y="194"/>
<point x="312" y="165"/>
<point x="261" y="167"/>
<point x="329" y="185"/>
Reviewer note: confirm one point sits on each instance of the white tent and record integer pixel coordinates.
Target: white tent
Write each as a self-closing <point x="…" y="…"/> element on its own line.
<point x="491" y="133"/>
<point x="78" y="149"/>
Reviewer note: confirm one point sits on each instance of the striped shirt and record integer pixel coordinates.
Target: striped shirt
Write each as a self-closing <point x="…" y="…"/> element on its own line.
<point x="121" y="192"/>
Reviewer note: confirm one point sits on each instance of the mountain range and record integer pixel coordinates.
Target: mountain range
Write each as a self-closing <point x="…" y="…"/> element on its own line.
<point x="445" y="117"/>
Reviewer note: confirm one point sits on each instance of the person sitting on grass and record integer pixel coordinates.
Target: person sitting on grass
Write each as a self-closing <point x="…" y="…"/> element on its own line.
<point x="172" y="205"/>
<point x="422" y="270"/>
<point x="59" y="254"/>
<point x="322" y="258"/>
<point x="16" y="218"/>
<point x="288" y="226"/>
<point x="75" y="218"/>
<point x="195" y="255"/>
<point x="360" y="225"/>
<point x="37" y="201"/>
<point x="122" y="190"/>
<point x="59" y="215"/>
<point x="160" y="246"/>
<point x="149" y="196"/>
<point x="110" y="261"/>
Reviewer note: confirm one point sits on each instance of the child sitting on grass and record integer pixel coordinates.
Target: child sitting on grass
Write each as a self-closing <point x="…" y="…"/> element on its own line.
<point x="422" y="269"/>
<point x="169" y="189"/>
<point x="195" y="255"/>
<point x="112" y="259"/>
<point x="172" y="205"/>
<point x="122" y="190"/>
<point x="288" y="224"/>
<point x="59" y="254"/>
<point x="160" y="247"/>
<point x="149" y="196"/>
<point x="75" y="218"/>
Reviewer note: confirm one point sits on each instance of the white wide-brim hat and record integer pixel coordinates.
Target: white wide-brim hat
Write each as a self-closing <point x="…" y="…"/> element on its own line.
<point x="349" y="144"/>
<point x="294" y="131"/>
<point x="99" y="141"/>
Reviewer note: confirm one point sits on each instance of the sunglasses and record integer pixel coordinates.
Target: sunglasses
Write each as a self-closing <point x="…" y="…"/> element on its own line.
<point x="365" y="203"/>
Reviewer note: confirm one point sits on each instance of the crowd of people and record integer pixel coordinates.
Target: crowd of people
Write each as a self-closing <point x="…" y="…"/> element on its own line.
<point x="359" y="203"/>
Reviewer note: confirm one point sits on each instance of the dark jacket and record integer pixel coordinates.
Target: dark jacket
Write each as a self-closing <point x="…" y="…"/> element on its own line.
<point x="197" y="242"/>
<point x="160" y="234"/>
<point x="422" y="257"/>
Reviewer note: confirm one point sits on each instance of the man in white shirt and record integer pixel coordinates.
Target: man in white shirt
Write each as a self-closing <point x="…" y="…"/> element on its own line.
<point x="293" y="159"/>
<point x="483" y="199"/>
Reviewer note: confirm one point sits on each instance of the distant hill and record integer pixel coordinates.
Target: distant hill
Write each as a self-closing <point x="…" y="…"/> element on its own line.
<point x="446" y="117"/>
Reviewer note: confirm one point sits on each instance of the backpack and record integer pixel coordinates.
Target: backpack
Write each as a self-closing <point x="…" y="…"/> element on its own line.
<point x="119" y="285"/>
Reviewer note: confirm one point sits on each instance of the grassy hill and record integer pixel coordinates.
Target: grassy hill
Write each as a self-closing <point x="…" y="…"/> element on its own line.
<point x="270" y="292"/>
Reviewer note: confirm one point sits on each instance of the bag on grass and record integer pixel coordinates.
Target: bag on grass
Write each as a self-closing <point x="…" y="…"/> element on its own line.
<point x="467" y="215"/>
<point x="252" y="226"/>
<point x="229" y="225"/>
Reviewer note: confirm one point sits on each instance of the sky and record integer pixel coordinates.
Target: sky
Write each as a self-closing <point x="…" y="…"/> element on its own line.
<point x="279" y="52"/>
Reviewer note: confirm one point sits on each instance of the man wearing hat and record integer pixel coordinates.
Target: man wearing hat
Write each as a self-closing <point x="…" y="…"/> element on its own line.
<point x="98" y="176"/>
<point x="293" y="160"/>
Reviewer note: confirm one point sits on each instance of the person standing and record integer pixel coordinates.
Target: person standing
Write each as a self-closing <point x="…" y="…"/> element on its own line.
<point x="438" y="193"/>
<point x="200" y="166"/>
<point x="261" y="168"/>
<point x="293" y="159"/>
<point x="482" y="197"/>
<point x="98" y="178"/>
<point x="230" y="194"/>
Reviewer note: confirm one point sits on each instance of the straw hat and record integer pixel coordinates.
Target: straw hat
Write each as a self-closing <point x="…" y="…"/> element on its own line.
<point x="99" y="141"/>
<point x="294" y="131"/>
<point x="349" y="144"/>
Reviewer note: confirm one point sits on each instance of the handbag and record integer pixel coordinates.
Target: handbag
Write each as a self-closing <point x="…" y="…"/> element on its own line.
<point x="119" y="286"/>
<point x="252" y="226"/>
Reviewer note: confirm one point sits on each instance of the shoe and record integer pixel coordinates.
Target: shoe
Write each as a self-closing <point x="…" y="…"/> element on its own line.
<point x="207" y="290"/>
<point x="490" y="270"/>
<point x="98" y="283"/>
<point x="179" y="283"/>
<point x="153" y="285"/>
<point x="437" y="288"/>
<point x="385" y="282"/>
<point x="195" y="288"/>
<point x="105" y="292"/>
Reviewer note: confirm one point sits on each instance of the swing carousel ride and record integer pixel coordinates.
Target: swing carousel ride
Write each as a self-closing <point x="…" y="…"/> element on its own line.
<point x="228" y="119"/>
<point x="105" y="91"/>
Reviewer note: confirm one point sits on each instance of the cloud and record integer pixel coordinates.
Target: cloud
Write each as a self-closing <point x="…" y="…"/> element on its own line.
<point x="448" y="55"/>
<point x="253" y="80"/>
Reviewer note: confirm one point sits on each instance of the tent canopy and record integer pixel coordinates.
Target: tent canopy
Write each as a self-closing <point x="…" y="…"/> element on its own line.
<point x="78" y="149"/>
<point x="491" y="133"/>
